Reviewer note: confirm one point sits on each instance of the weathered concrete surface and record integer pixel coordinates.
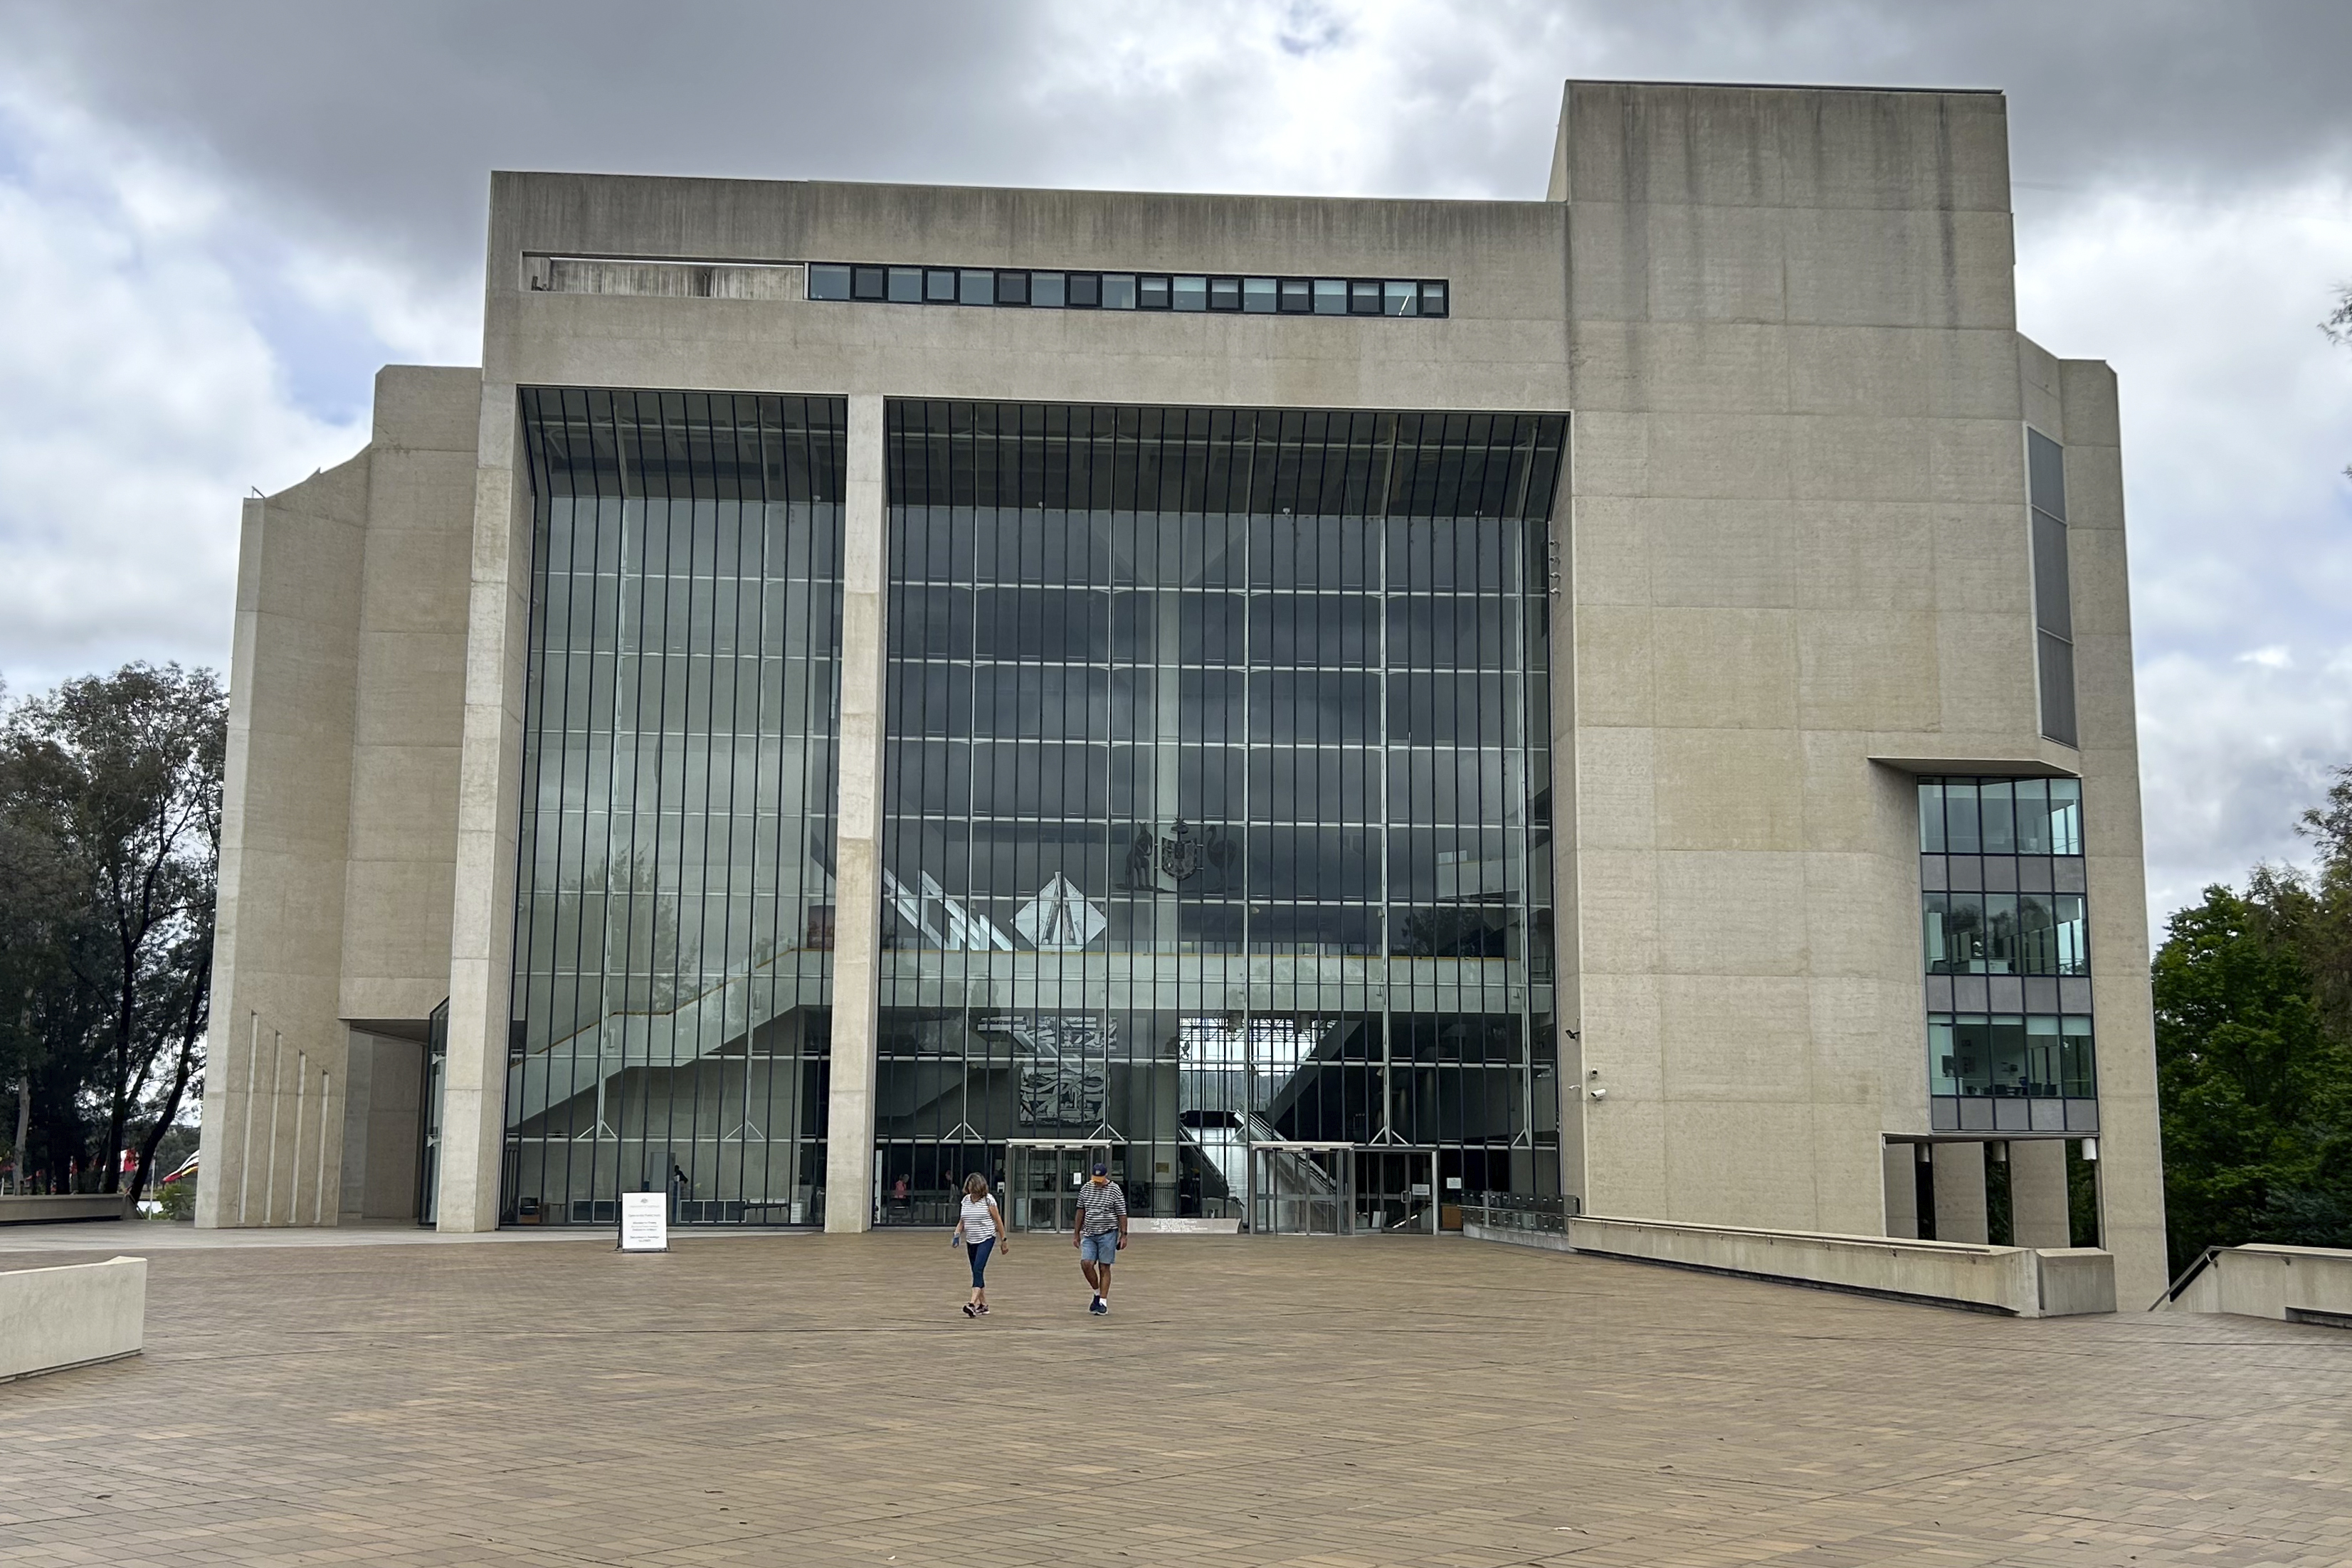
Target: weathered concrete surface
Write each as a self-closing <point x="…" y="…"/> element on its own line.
<point x="339" y="816"/>
<point x="2265" y="1281"/>
<point x="2020" y="1280"/>
<point x="1251" y="1402"/>
<point x="1791" y="573"/>
<point x="72" y="1315"/>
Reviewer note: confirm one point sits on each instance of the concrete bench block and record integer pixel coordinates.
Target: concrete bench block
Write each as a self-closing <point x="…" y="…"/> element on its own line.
<point x="51" y="1318"/>
<point x="63" y="1209"/>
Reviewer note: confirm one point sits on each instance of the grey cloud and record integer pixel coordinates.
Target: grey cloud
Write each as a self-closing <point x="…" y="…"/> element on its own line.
<point x="363" y="135"/>
<point x="382" y="120"/>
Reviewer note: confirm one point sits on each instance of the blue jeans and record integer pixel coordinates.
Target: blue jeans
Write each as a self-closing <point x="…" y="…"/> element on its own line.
<point x="979" y="1251"/>
<point x="1099" y="1249"/>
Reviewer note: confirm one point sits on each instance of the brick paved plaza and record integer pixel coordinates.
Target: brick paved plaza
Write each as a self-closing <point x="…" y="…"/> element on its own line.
<point x="803" y="1399"/>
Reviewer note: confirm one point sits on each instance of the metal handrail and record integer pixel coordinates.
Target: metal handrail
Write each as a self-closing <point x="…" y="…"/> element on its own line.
<point x="1520" y="1212"/>
<point x="2188" y="1277"/>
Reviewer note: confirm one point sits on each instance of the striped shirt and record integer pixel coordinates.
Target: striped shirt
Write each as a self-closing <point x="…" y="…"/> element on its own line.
<point x="1103" y="1208"/>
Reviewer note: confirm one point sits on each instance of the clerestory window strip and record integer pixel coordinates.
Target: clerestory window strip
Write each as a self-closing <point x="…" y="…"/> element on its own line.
<point x="880" y="283"/>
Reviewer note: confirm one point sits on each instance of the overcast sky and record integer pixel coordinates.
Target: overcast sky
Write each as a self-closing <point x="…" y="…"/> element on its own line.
<point x="217" y="221"/>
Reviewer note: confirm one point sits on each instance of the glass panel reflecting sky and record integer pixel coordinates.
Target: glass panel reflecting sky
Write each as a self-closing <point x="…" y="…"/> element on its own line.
<point x="2005" y="938"/>
<point x="674" y="917"/>
<point x="1217" y="796"/>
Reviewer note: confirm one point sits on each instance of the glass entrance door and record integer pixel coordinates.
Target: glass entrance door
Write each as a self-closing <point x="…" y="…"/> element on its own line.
<point x="1301" y="1189"/>
<point x="1394" y="1191"/>
<point x="1043" y="1179"/>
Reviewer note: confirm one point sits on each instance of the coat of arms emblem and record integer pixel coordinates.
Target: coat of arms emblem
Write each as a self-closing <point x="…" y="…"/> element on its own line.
<point x="1180" y="854"/>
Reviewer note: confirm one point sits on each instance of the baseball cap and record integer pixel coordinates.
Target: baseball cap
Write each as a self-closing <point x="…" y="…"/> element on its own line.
<point x="1102" y="1170"/>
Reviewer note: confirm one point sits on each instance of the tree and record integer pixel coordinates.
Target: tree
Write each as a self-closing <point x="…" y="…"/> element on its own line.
<point x="115" y="780"/>
<point x="2253" y="1034"/>
<point x="2339" y="328"/>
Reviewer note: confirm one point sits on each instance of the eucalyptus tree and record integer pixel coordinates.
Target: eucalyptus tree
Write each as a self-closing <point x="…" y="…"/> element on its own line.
<point x="113" y="781"/>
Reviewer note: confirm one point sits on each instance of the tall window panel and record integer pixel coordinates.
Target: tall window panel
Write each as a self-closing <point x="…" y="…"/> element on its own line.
<point x="2054" y="609"/>
<point x="1216" y="816"/>
<point x="2005" y="936"/>
<point x="673" y="908"/>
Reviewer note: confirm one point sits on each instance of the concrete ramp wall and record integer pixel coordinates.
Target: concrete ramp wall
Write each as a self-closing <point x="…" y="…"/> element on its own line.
<point x="2299" y="1284"/>
<point x="2019" y="1281"/>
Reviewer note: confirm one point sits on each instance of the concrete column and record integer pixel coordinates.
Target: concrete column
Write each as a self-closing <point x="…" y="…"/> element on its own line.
<point x="489" y="805"/>
<point x="1902" y="1164"/>
<point x="1960" y="1192"/>
<point x="857" y="827"/>
<point x="285" y="840"/>
<point x="2037" y="1192"/>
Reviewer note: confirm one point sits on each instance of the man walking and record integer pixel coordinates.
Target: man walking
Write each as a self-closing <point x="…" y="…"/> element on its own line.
<point x="1101" y="1231"/>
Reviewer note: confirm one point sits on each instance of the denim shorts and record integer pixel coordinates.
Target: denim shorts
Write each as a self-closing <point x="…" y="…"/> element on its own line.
<point x="1101" y="1249"/>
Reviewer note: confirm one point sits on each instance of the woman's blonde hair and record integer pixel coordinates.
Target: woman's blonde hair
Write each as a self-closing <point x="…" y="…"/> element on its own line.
<point x="975" y="1185"/>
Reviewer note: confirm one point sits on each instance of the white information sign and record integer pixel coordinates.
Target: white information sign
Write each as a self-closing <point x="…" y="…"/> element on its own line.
<point x="644" y="1222"/>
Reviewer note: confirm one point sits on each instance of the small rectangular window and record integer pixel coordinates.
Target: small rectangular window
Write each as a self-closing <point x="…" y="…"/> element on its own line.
<point x="1151" y="293"/>
<point x="1012" y="289"/>
<point x="907" y="285"/>
<point x="1298" y="293"/>
<point x="1931" y="819"/>
<point x="2052" y="594"/>
<point x="1994" y="812"/>
<point x="1119" y="291"/>
<point x="2032" y="817"/>
<point x="1960" y="817"/>
<point x="2046" y="474"/>
<point x="2057" y="688"/>
<point x="939" y="287"/>
<point x="1432" y="299"/>
<point x="1363" y="298"/>
<point x="1086" y="290"/>
<point x="975" y="286"/>
<point x="1191" y="294"/>
<point x="2065" y="816"/>
<point x="2078" y="1074"/>
<point x="1330" y="296"/>
<point x="1258" y="295"/>
<point x="1046" y="291"/>
<point x="1942" y="1057"/>
<point x="1399" y="298"/>
<point x="827" y="281"/>
<point x="1224" y="294"/>
<point x="865" y="283"/>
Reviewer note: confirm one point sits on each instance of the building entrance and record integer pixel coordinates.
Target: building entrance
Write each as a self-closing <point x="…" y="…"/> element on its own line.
<point x="1042" y="1178"/>
<point x="1341" y="1189"/>
<point x="1301" y="1189"/>
<point x="1395" y="1192"/>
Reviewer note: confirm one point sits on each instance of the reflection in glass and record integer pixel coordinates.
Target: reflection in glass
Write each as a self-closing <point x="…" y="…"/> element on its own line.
<point x="673" y="911"/>
<point x="1999" y="861"/>
<point x="1217" y="804"/>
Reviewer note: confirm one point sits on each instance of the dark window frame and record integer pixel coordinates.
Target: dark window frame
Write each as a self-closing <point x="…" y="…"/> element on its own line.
<point x="883" y="283"/>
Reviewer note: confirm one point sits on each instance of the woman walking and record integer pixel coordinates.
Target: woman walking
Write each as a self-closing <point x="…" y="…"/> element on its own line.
<point x="981" y="1229"/>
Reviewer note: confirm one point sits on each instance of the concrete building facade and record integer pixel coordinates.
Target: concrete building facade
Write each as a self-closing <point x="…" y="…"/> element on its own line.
<point x="1336" y="707"/>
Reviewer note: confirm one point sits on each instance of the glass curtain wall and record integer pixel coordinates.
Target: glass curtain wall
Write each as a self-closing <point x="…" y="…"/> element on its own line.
<point x="1217" y="791"/>
<point x="674" y="907"/>
<point x="2006" y="940"/>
